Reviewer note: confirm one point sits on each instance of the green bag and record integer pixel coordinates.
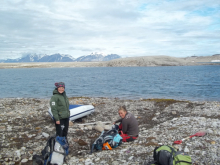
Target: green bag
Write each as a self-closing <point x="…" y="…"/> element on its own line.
<point x="181" y="158"/>
<point x="167" y="155"/>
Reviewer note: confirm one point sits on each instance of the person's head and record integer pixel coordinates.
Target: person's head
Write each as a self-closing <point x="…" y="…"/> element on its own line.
<point x="60" y="87"/>
<point x="122" y="111"/>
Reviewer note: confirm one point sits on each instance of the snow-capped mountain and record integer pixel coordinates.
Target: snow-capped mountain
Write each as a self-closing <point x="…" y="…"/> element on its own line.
<point x="111" y="57"/>
<point x="97" y="57"/>
<point x="42" y="58"/>
<point x="30" y="57"/>
<point x="56" y="58"/>
<point x="62" y="58"/>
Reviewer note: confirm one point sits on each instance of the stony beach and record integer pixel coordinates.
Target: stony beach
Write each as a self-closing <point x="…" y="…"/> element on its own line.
<point x="25" y="127"/>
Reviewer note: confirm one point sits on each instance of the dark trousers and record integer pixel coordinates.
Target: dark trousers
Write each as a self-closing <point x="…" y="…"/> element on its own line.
<point x="62" y="128"/>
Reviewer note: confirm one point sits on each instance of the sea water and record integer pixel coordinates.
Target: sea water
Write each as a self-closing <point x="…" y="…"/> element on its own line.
<point x="175" y="82"/>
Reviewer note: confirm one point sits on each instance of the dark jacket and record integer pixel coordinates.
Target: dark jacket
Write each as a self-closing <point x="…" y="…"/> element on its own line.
<point x="129" y="125"/>
<point x="59" y="104"/>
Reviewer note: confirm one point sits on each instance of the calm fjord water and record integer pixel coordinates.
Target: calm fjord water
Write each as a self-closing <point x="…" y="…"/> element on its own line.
<point x="176" y="82"/>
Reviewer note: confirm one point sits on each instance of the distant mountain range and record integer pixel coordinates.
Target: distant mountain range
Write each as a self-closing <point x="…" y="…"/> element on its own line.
<point x="93" y="57"/>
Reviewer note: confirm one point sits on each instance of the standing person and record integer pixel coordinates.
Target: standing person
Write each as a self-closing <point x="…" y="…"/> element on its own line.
<point x="128" y="125"/>
<point x="59" y="104"/>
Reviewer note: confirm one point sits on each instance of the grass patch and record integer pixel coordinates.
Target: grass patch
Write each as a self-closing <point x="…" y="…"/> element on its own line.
<point x="172" y="128"/>
<point x="151" y="144"/>
<point x="163" y="103"/>
<point x="150" y="138"/>
<point x="211" y="117"/>
<point x="82" y="142"/>
<point x="167" y="101"/>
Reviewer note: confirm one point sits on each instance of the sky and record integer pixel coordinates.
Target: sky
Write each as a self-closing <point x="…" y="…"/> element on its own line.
<point x="129" y="28"/>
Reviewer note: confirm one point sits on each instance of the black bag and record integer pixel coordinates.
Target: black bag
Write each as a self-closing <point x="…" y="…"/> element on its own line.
<point x="38" y="160"/>
<point x="167" y="155"/>
<point x="111" y="136"/>
<point x="45" y="157"/>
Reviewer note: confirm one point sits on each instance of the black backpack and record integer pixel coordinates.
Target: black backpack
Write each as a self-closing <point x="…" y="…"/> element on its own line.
<point x="111" y="136"/>
<point x="44" y="158"/>
<point x="38" y="160"/>
<point x="46" y="153"/>
<point x="167" y="155"/>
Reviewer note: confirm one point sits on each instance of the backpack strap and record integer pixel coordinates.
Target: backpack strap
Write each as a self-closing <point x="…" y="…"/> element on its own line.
<point x="155" y="155"/>
<point x="47" y="161"/>
<point x="183" y="161"/>
<point x="173" y="151"/>
<point x="153" y="162"/>
<point x="93" y="145"/>
<point x="52" y="143"/>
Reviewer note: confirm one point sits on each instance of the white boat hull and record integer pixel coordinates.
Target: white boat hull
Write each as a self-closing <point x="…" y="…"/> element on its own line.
<point x="77" y="111"/>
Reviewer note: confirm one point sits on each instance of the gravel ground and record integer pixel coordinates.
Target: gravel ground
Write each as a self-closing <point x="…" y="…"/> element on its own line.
<point x="25" y="127"/>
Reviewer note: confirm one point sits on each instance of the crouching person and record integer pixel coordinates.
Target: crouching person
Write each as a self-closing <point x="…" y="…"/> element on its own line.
<point x="128" y="127"/>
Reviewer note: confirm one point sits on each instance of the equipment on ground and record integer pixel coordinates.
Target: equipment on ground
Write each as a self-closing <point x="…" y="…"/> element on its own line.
<point x="167" y="155"/>
<point x="200" y="133"/>
<point x="107" y="140"/>
<point x="77" y="111"/>
<point x="54" y="152"/>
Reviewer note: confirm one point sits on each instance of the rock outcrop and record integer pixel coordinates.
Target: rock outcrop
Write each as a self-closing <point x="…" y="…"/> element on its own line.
<point x="149" y="61"/>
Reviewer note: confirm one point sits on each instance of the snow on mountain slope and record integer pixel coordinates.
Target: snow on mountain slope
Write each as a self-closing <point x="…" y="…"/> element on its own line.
<point x="33" y="57"/>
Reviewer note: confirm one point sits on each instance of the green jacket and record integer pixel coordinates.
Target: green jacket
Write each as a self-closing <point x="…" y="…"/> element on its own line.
<point x="59" y="104"/>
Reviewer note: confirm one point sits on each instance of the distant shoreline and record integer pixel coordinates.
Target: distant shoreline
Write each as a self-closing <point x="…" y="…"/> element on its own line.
<point x="143" y="61"/>
<point x="48" y="65"/>
<point x="79" y="65"/>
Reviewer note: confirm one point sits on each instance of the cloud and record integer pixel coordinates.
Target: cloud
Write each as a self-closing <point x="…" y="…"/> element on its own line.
<point x="125" y="27"/>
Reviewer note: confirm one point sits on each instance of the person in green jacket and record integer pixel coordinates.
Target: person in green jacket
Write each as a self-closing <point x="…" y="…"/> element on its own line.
<point x="59" y="104"/>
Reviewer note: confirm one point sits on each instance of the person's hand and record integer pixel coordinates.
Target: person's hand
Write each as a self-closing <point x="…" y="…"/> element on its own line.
<point x="57" y="122"/>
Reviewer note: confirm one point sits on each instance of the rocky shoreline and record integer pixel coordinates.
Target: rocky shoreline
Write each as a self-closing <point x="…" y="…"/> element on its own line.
<point x="25" y="127"/>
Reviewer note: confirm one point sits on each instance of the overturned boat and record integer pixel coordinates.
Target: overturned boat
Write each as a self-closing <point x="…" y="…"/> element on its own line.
<point x="77" y="111"/>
